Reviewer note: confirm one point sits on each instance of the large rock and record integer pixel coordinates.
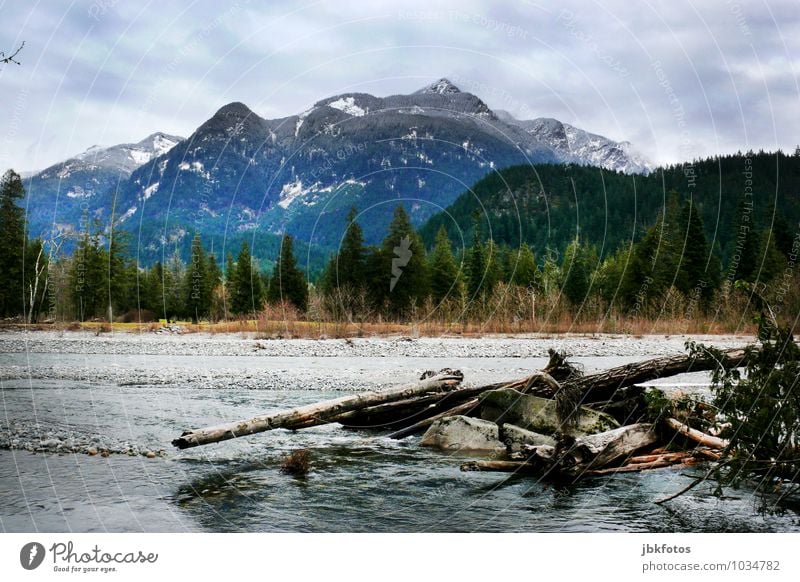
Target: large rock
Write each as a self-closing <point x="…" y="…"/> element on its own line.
<point x="539" y="414"/>
<point x="515" y="437"/>
<point x="463" y="433"/>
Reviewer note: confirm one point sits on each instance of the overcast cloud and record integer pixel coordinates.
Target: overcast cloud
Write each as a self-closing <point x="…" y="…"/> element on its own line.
<point x="678" y="79"/>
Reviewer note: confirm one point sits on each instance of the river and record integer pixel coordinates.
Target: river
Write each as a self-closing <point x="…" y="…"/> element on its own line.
<point x="139" y="395"/>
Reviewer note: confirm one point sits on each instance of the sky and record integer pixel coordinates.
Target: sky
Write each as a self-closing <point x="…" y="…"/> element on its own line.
<point x="679" y="80"/>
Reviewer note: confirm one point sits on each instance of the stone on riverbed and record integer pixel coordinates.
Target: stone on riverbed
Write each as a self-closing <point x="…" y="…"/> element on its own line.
<point x="539" y="414"/>
<point x="463" y="433"/>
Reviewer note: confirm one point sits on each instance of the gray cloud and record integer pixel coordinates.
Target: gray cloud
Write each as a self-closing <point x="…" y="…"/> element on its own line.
<point x="679" y="79"/>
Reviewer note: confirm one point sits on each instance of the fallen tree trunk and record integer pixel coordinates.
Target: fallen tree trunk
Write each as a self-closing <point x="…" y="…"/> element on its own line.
<point x="411" y="411"/>
<point x="392" y="414"/>
<point x="435" y="396"/>
<point x="635" y="468"/>
<point x="697" y="436"/>
<point x="602" y="385"/>
<point x="452" y="403"/>
<point x="314" y="414"/>
<point x="657" y="457"/>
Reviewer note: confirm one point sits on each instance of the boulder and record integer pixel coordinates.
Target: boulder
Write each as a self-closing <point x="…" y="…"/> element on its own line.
<point x="539" y="414"/>
<point x="463" y="433"/>
<point x="514" y="437"/>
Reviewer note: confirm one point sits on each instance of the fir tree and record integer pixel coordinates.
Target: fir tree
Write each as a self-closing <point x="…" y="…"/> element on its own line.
<point x="699" y="269"/>
<point x="404" y="266"/>
<point x="576" y="272"/>
<point x="476" y="263"/>
<point x="174" y="293"/>
<point x="89" y="276"/>
<point x="229" y="283"/>
<point x="214" y="278"/>
<point x="288" y="282"/>
<point x="198" y="285"/>
<point x="612" y="273"/>
<point x="444" y="272"/>
<point x="745" y="241"/>
<point x="119" y="280"/>
<point x="783" y="237"/>
<point x="522" y="269"/>
<point x="771" y="261"/>
<point x="351" y="256"/>
<point x="152" y="294"/>
<point x="12" y="242"/>
<point x="247" y="295"/>
<point x="495" y="267"/>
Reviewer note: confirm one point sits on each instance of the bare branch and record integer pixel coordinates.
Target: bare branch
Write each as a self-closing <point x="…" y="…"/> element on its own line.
<point x="11" y="58"/>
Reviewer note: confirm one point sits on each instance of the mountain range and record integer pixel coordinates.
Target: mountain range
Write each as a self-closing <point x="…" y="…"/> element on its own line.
<point x="240" y="176"/>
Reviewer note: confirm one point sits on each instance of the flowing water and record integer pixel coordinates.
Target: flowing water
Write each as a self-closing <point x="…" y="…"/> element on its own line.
<point x="359" y="482"/>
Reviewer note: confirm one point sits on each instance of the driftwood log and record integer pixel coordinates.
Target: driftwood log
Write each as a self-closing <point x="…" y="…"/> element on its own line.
<point x="602" y="385"/>
<point x="665" y="461"/>
<point x="697" y="436"/>
<point x="412" y="408"/>
<point x="314" y="414"/>
<point x="609" y="391"/>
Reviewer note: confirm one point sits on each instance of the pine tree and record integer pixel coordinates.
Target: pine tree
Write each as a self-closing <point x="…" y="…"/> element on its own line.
<point x="152" y="290"/>
<point x="744" y="242"/>
<point x="612" y="272"/>
<point x="668" y="255"/>
<point x="699" y="269"/>
<point x="229" y="283"/>
<point x="522" y="269"/>
<point x="495" y="267"/>
<point x="288" y="282"/>
<point x="576" y="272"/>
<point x="214" y="278"/>
<point x="375" y="277"/>
<point x="405" y="269"/>
<point x="444" y="272"/>
<point x="247" y="295"/>
<point x="12" y="245"/>
<point x="476" y="263"/>
<point x="89" y="276"/>
<point x="772" y="262"/>
<point x="783" y="237"/>
<point x="174" y="294"/>
<point x="197" y="286"/>
<point x="638" y="282"/>
<point x="119" y="280"/>
<point x="350" y="259"/>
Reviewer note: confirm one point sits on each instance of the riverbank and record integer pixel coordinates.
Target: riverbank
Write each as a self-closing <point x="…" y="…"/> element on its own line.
<point x="251" y="344"/>
<point x="277" y="324"/>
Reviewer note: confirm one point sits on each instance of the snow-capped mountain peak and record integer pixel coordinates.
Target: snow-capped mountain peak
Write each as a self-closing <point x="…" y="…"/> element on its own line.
<point x="441" y="87"/>
<point x="579" y="146"/>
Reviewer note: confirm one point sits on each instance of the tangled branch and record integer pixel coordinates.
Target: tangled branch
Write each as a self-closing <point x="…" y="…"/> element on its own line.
<point x="11" y="58"/>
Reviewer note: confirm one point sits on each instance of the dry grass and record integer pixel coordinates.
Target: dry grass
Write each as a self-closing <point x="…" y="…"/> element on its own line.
<point x="297" y="463"/>
<point x="267" y="328"/>
<point x="278" y="329"/>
